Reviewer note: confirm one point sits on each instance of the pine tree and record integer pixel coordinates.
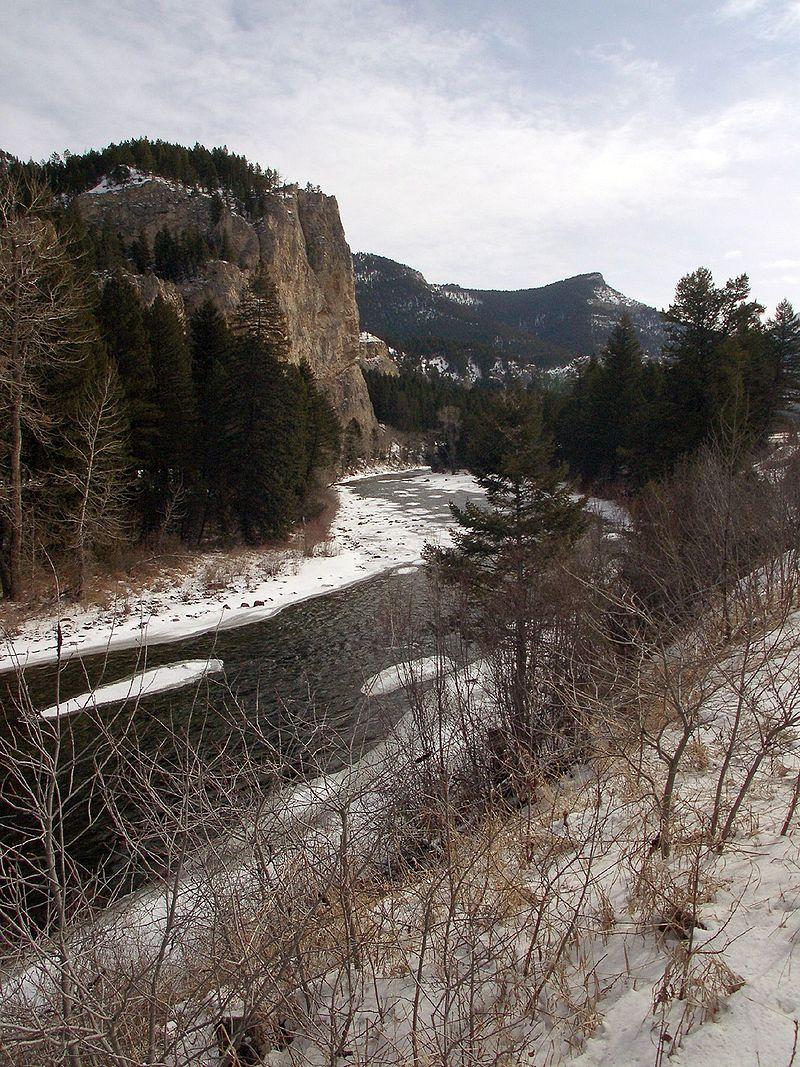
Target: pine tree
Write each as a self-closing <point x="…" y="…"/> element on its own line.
<point x="503" y="547"/>
<point x="259" y="315"/>
<point x="211" y="348"/>
<point x="120" y="315"/>
<point x="109" y="250"/>
<point x="321" y="433"/>
<point x="621" y="400"/>
<point x="266" y="435"/>
<point x="578" y="424"/>
<point x="714" y="357"/>
<point x="174" y="397"/>
<point x="784" y="332"/>
<point x="262" y="444"/>
<point x="141" y="254"/>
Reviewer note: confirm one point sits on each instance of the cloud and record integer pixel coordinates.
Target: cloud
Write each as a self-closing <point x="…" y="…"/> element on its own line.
<point x="770" y="19"/>
<point x="446" y="149"/>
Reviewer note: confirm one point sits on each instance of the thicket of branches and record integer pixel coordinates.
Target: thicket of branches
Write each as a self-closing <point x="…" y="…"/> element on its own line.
<point x="453" y="896"/>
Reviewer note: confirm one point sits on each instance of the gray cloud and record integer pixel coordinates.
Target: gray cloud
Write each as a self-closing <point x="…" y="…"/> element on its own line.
<point x="495" y="150"/>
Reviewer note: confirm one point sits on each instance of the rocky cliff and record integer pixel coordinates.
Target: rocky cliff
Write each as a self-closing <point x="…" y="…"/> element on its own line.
<point x="298" y="241"/>
<point x="377" y="356"/>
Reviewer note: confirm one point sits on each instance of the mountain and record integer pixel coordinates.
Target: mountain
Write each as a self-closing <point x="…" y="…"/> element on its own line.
<point x="489" y="332"/>
<point x="296" y="238"/>
<point x="193" y="224"/>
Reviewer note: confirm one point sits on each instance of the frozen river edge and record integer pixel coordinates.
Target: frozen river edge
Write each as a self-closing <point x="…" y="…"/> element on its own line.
<point x="369" y="536"/>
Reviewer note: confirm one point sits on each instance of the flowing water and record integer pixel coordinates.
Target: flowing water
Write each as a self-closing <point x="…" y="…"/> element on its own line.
<point x="307" y="663"/>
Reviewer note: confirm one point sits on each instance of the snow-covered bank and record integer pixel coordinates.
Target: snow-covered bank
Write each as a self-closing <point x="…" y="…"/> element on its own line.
<point x="582" y="943"/>
<point x="145" y="683"/>
<point x="368" y="536"/>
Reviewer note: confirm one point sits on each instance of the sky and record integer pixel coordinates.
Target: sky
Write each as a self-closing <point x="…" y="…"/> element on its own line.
<point x="500" y="144"/>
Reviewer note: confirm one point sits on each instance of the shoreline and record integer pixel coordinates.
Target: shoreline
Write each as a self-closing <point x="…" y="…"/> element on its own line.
<point x="373" y="536"/>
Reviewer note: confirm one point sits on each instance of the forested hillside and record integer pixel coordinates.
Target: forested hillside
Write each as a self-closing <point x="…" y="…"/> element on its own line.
<point x="476" y="333"/>
<point x="132" y="416"/>
<point x="621" y="418"/>
<point x="198" y="167"/>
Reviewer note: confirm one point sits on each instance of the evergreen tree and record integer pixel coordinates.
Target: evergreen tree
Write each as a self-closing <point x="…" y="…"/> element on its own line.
<point x="109" y="249"/>
<point x="262" y="442"/>
<point x="141" y="254"/>
<point x="266" y="432"/>
<point x="120" y="316"/>
<point x="579" y="421"/>
<point x="259" y="315"/>
<point x="211" y="349"/>
<point x="503" y="547"/>
<point x="174" y="397"/>
<point x="717" y="366"/>
<point x="784" y="332"/>
<point x="621" y="400"/>
<point x="321" y="433"/>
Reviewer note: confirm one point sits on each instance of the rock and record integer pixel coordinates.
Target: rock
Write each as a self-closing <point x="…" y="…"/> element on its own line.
<point x="376" y="355"/>
<point x="300" y="243"/>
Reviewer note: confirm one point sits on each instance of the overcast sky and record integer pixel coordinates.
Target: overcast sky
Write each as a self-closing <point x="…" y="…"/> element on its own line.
<point x="498" y="145"/>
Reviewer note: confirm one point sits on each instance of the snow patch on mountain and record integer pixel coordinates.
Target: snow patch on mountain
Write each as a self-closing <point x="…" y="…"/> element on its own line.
<point x="457" y="295"/>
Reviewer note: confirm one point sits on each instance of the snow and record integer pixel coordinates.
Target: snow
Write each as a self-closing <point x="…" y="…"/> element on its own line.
<point x="458" y="295"/>
<point x="582" y="851"/>
<point x="368" y="536"/>
<point x="145" y="683"/>
<point x="604" y="294"/>
<point x="622" y="991"/>
<point x="135" y="177"/>
<point x="406" y="674"/>
<point x="369" y="338"/>
<point x="610" y="512"/>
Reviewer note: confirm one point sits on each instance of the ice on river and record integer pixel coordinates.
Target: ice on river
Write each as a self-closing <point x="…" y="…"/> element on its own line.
<point x="145" y="683"/>
<point x="405" y="674"/>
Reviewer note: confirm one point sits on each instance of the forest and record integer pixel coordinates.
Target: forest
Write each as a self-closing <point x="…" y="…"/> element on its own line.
<point x="209" y="169"/>
<point x="624" y="419"/>
<point x="126" y="425"/>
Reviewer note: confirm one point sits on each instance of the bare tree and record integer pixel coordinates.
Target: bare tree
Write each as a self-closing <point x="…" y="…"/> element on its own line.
<point x="97" y="474"/>
<point x="42" y="327"/>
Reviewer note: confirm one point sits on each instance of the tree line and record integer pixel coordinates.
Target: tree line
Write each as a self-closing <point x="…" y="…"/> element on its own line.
<point x="124" y="423"/>
<point x="210" y="169"/>
<point x="626" y="419"/>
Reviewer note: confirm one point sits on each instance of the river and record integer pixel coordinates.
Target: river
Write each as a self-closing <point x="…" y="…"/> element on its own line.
<point x="290" y="671"/>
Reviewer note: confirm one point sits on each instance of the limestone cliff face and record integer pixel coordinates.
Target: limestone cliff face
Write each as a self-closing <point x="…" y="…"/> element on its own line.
<point x="300" y="243"/>
<point x="377" y="356"/>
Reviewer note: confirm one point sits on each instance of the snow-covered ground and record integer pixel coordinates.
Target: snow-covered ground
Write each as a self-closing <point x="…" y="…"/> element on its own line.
<point x="563" y="921"/>
<point x="368" y="536"/>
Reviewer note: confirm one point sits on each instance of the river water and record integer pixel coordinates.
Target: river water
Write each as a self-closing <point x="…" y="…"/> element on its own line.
<point x="303" y="665"/>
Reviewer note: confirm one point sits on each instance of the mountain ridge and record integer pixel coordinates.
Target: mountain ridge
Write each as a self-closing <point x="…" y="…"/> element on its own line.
<point x="500" y="331"/>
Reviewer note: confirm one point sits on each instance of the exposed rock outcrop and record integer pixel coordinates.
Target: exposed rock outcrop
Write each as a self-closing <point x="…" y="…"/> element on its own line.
<point x="299" y="242"/>
<point x="377" y="356"/>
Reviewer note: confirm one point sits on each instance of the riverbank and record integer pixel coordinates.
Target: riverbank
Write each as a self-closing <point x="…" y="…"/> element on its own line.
<point x="222" y="590"/>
